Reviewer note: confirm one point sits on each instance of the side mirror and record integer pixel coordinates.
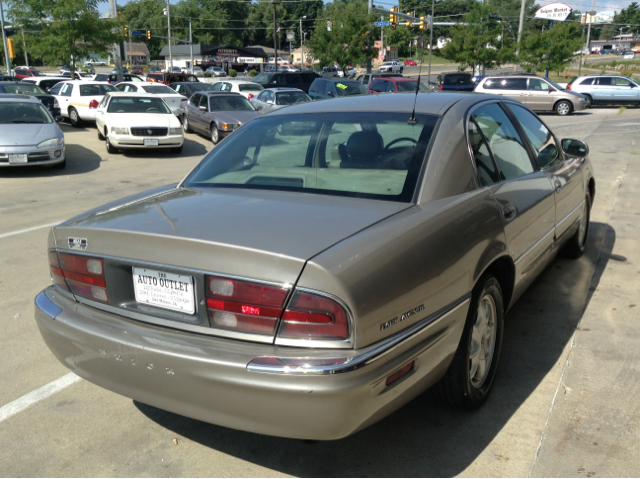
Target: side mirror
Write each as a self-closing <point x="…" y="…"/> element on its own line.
<point x="575" y="148"/>
<point x="59" y="119"/>
<point x="203" y="108"/>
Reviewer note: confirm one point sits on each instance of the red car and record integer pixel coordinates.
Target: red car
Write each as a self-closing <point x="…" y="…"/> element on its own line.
<point x="21" y="73"/>
<point x="395" y="84"/>
<point x="136" y="69"/>
<point x="410" y="63"/>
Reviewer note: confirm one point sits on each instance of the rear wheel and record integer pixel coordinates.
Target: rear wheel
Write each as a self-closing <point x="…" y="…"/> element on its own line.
<point x="578" y="242"/>
<point x="563" y="108"/>
<point x="467" y="383"/>
<point x="185" y="124"/>
<point x="215" y="135"/>
<point x="589" y="98"/>
<point x="74" y="118"/>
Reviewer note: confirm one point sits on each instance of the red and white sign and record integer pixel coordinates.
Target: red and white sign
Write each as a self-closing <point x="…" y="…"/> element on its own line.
<point x="554" y="11"/>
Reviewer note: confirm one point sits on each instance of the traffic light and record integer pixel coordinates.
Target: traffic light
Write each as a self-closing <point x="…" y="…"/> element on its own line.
<point x="393" y="19"/>
<point x="12" y="50"/>
<point x="148" y="34"/>
<point x="422" y="25"/>
<point x="409" y="22"/>
<point x="126" y="32"/>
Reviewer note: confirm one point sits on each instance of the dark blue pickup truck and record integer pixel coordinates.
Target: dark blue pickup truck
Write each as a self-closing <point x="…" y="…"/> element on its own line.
<point x="458" y="81"/>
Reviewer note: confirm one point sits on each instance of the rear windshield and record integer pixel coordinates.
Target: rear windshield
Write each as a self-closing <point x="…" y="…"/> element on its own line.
<point x="291" y="97"/>
<point x="249" y="87"/>
<point x="201" y="87"/>
<point x="22" y="112"/>
<point x="361" y="154"/>
<point x="230" y="103"/>
<point x="23" y="89"/>
<point x="458" y="79"/>
<point x="137" y="105"/>
<point x="263" y="78"/>
<point x="410" y="86"/>
<point x="158" y="89"/>
<point x="346" y="88"/>
<point x="96" y="90"/>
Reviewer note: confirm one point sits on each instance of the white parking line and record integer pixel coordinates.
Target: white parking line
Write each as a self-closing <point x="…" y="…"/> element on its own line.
<point x="26" y="230"/>
<point x="33" y="397"/>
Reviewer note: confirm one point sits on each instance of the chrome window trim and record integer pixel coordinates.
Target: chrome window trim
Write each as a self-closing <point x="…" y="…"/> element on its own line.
<point x="320" y="343"/>
<point x="368" y="355"/>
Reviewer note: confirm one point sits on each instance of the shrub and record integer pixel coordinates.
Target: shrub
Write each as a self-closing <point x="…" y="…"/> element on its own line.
<point x="626" y="73"/>
<point x="84" y="69"/>
<point x="207" y="74"/>
<point x="613" y="64"/>
<point x="233" y="73"/>
<point x="253" y="73"/>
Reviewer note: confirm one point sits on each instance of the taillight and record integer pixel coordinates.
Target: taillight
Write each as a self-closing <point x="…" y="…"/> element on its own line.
<point x="244" y="306"/>
<point x="55" y="103"/>
<point x="440" y="87"/>
<point x="81" y="275"/>
<point x="310" y="316"/>
<point x="251" y="95"/>
<point x="184" y="99"/>
<point x="569" y="86"/>
<point x="93" y="104"/>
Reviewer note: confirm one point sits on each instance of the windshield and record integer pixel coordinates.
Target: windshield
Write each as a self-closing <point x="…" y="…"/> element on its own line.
<point x="410" y="86"/>
<point x="23" y="89"/>
<point x="158" y="89"/>
<point x="96" y="90"/>
<point x="291" y="97"/>
<point x="558" y="87"/>
<point x="23" y="112"/>
<point x="137" y="105"/>
<point x="262" y="79"/>
<point x="346" y="88"/>
<point x="363" y="154"/>
<point x="37" y="73"/>
<point x="250" y="87"/>
<point x="230" y="103"/>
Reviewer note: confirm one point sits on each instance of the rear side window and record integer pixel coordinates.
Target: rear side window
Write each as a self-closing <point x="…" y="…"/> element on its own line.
<point x="605" y="81"/>
<point x="249" y="87"/>
<point x="96" y="90"/>
<point x="587" y="81"/>
<point x="487" y="171"/>
<point x="262" y="79"/>
<point x="506" y="84"/>
<point x="504" y="142"/>
<point x="378" y="85"/>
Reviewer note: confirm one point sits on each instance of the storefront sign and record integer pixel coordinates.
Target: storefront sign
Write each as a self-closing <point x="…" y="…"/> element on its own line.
<point x="249" y="60"/>
<point x="554" y="11"/>
<point x="227" y="52"/>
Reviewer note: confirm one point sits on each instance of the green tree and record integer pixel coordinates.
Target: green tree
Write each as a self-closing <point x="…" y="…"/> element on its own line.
<point x="350" y="41"/>
<point x="551" y="49"/>
<point x="479" y="41"/>
<point x="67" y="31"/>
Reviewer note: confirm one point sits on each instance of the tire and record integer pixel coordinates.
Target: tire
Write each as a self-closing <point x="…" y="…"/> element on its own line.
<point x="74" y="118"/>
<point x="185" y="124"/>
<point x="590" y="99"/>
<point x="177" y="150"/>
<point x="578" y="242"/>
<point x="101" y="137"/>
<point x="215" y="134"/>
<point x="401" y="69"/>
<point x="563" y="108"/>
<point x="111" y="149"/>
<point x="468" y="381"/>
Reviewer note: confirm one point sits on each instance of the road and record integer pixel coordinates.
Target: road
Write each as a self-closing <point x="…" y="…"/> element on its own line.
<point x="564" y="403"/>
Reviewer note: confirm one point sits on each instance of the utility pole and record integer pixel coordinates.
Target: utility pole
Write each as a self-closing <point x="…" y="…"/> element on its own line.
<point x="4" y="38"/>
<point x="382" y="39"/>
<point x="275" y="34"/>
<point x="301" y="45"/>
<point x="169" y="35"/>
<point x="116" y="47"/>
<point x="191" y="47"/>
<point x="24" y="45"/>
<point x="433" y="12"/>
<point x="520" y="28"/>
<point x="130" y="51"/>
<point x="589" y="17"/>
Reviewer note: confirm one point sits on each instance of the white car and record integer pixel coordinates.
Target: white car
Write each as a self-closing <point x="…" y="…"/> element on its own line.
<point x="393" y="66"/>
<point x="170" y="97"/>
<point x="46" y="83"/>
<point x="79" y="100"/>
<point x="245" y="88"/>
<point x="127" y="120"/>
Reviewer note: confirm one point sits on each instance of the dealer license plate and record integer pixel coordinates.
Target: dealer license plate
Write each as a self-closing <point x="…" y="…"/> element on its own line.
<point x="164" y="290"/>
<point x="150" y="142"/>
<point x="18" y="158"/>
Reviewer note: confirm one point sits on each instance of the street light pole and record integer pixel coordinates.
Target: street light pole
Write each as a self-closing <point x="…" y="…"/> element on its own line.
<point x="433" y="12"/>
<point x="24" y="45"/>
<point x="169" y="35"/>
<point x="275" y="40"/>
<point x="116" y="47"/>
<point x="302" y="44"/>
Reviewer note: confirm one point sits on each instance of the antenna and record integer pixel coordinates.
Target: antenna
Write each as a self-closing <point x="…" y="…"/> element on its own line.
<point x="413" y="120"/>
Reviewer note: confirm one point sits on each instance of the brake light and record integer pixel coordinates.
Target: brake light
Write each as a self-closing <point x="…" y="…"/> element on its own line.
<point x="93" y="104"/>
<point x="243" y="306"/>
<point x="55" y="103"/>
<point x="403" y="371"/>
<point x="310" y="316"/>
<point x="81" y="275"/>
<point x="569" y="86"/>
<point x="184" y="99"/>
<point x="440" y="87"/>
<point x="251" y="95"/>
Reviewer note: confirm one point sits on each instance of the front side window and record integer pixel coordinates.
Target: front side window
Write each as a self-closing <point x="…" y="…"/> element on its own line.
<point x="137" y="105"/>
<point x="538" y="85"/>
<point x="341" y="153"/>
<point x="203" y="101"/>
<point x="503" y="141"/>
<point x="263" y="96"/>
<point x="55" y="89"/>
<point x="291" y="97"/>
<point x="66" y="89"/>
<point x="96" y="90"/>
<point x="605" y="81"/>
<point x="23" y="113"/>
<point x="539" y="136"/>
<point x="622" y="82"/>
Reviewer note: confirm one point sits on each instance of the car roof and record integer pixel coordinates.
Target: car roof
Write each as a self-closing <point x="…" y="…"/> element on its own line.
<point x="215" y="93"/>
<point x="131" y="93"/>
<point x="5" y="97"/>
<point x="431" y="103"/>
<point x="281" y="89"/>
<point x="8" y="82"/>
<point x="52" y="77"/>
<point x="338" y="80"/>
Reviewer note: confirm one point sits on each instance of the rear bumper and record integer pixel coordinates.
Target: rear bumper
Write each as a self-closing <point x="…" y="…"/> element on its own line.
<point x="207" y="378"/>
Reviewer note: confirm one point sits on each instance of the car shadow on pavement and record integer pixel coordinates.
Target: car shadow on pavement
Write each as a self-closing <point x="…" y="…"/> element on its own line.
<point x="426" y="438"/>
<point x="79" y="160"/>
<point x="190" y="148"/>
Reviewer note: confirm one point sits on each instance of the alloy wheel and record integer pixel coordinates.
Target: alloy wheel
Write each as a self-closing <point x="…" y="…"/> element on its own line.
<point x="483" y="341"/>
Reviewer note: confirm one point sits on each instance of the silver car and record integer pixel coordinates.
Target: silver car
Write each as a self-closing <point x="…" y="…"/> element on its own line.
<point x="216" y="114"/>
<point x="276" y="98"/>
<point x="29" y="135"/>
<point x="607" y="89"/>
<point x="539" y="94"/>
<point x="323" y="266"/>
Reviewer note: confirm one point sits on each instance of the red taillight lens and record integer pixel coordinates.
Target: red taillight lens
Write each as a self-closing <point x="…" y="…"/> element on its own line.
<point x="244" y="306"/>
<point x="81" y="275"/>
<point x="311" y="316"/>
<point x="251" y="95"/>
<point x="185" y="99"/>
<point x="93" y="104"/>
<point x="569" y="86"/>
<point x="440" y="87"/>
<point x="406" y="369"/>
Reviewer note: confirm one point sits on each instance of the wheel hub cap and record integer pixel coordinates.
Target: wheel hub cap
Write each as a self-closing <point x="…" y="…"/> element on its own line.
<point x="483" y="340"/>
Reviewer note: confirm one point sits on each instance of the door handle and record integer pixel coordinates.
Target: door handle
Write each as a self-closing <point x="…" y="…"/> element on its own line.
<point x="558" y="185"/>
<point x="509" y="211"/>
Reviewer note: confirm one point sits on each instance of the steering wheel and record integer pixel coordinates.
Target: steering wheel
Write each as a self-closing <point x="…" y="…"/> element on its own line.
<point x="398" y="140"/>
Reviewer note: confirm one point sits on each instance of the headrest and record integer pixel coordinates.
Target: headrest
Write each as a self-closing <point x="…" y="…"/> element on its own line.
<point x="364" y="145"/>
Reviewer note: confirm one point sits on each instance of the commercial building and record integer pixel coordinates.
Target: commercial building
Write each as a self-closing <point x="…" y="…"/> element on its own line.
<point x="225" y="56"/>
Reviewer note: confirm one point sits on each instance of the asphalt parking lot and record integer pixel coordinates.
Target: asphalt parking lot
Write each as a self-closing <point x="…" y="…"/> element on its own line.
<point x="564" y="403"/>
